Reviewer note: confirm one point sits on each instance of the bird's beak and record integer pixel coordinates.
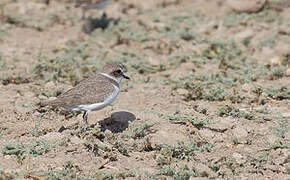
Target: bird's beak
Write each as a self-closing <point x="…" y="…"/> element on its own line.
<point x="126" y="77"/>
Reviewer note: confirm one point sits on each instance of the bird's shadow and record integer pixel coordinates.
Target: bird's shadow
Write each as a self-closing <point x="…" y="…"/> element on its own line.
<point x="118" y="122"/>
<point x="90" y="24"/>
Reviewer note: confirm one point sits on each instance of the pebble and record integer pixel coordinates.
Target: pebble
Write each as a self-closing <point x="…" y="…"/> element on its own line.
<point x="181" y="91"/>
<point x="249" y="6"/>
<point x="240" y="133"/>
<point x="239" y="158"/>
<point x="247" y="34"/>
<point x="52" y="137"/>
<point x="287" y="72"/>
<point x="275" y="61"/>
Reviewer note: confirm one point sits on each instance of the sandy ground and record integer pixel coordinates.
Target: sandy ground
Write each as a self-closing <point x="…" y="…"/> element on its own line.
<point x="209" y="96"/>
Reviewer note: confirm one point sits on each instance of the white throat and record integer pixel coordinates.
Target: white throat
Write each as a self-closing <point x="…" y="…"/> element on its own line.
<point x="118" y="80"/>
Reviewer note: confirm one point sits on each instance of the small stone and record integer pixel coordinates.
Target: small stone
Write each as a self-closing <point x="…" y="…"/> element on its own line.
<point x="7" y="157"/>
<point x="247" y="34"/>
<point x="49" y="85"/>
<point x="187" y="66"/>
<point x="206" y="133"/>
<point x="59" y="47"/>
<point x="208" y="28"/>
<point x="287" y="72"/>
<point x="52" y="137"/>
<point x="286" y="115"/>
<point x="239" y="158"/>
<point x="275" y="168"/>
<point x="76" y="140"/>
<point x="287" y="135"/>
<point x="29" y="94"/>
<point x="284" y="30"/>
<point x="272" y="139"/>
<point x="240" y="133"/>
<point x="249" y="6"/>
<point x="276" y="61"/>
<point x="181" y="91"/>
<point x="153" y="61"/>
<point x="246" y="87"/>
<point x="107" y="132"/>
<point x="42" y="97"/>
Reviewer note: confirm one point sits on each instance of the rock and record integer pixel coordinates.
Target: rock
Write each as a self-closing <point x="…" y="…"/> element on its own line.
<point x="208" y="28"/>
<point x="274" y="168"/>
<point x="187" y="66"/>
<point x="206" y="133"/>
<point x="247" y="34"/>
<point x="239" y="158"/>
<point x="287" y="135"/>
<point x="76" y="140"/>
<point x="42" y="97"/>
<point x="181" y="91"/>
<point x="287" y="72"/>
<point x="52" y="137"/>
<point x="249" y="6"/>
<point x="29" y="94"/>
<point x="286" y="115"/>
<point x="49" y="85"/>
<point x="275" y="61"/>
<point x="272" y="139"/>
<point x="246" y="87"/>
<point x="153" y="61"/>
<point x="240" y="134"/>
<point x="284" y="30"/>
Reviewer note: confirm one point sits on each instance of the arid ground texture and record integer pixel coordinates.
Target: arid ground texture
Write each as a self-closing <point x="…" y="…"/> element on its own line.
<point x="209" y="96"/>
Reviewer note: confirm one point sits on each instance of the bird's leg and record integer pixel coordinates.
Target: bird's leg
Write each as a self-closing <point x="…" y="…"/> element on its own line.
<point x="85" y="117"/>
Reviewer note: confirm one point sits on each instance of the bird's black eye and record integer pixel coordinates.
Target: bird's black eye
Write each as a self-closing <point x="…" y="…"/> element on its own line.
<point x="119" y="71"/>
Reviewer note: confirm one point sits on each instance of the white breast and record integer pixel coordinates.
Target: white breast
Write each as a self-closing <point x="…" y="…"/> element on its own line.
<point x="98" y="106"/>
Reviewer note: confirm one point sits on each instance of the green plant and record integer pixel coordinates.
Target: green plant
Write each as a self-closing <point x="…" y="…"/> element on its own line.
<point x="15" y="149"/>
<point x="39" y="148"/>
<point x="258" y="161"/>
<point x="183" y="150"/>
<point x="281" y="128"/>
<point x="216" y="94"/>
<point x="278" y="94"/>
<point x="182" y="173"/>
<point x="184" y="118"/>
<point x="226" y="110"/>
<point x="138" y="131"/>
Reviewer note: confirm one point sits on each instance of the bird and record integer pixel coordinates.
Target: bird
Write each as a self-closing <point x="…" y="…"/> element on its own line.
<point x="91" y="94"/>
<point x="91" y="4"/>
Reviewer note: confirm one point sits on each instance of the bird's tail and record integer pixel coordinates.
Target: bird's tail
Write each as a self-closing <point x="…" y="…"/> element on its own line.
<point x="43" y="103"/>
